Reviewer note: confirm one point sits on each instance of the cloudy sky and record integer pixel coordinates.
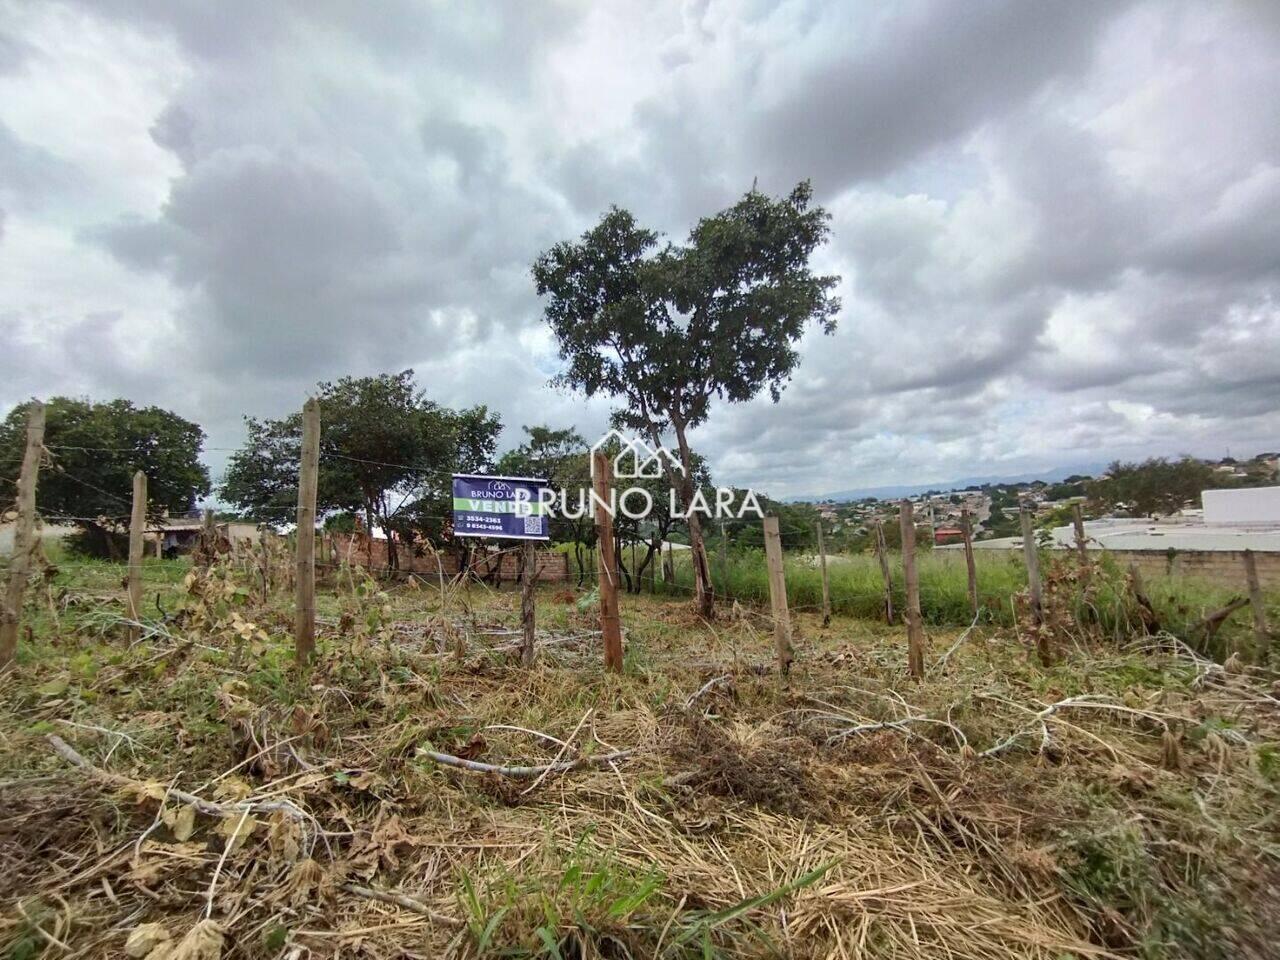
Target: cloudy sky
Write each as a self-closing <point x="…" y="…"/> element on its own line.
<point x="1057" y="224"/>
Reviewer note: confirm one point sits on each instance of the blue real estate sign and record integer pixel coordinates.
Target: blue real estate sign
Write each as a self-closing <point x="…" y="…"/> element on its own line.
<point x="506" y="507"/>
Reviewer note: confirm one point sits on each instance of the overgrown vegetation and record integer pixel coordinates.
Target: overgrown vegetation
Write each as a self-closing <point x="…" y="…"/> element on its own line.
<point x="857" y="590"/>
<point x="1118" y="803"/>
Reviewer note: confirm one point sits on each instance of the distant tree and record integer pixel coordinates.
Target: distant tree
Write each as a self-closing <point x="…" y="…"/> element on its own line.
<point x="1155" y="486"/>
<point x="93" y="451"/>
<point x="667" y="328"/>
<point x="546" y="453"/>
<point x="1066" y="490"/>
<point x="340" y="522"/>
<point x="386" y="455"/>
<point x="797" y="526"/>
<point x="1057" y="517"/>
<point x="559" y="457"/>
<point x="656" y="528"/>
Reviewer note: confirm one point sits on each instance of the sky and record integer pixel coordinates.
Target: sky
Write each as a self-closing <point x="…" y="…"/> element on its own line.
<point x="1057" y="226"/>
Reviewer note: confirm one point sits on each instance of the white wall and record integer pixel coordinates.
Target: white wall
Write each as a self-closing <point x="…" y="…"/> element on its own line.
<point x="46" y="531"/>
<point x="1249" y="505"/>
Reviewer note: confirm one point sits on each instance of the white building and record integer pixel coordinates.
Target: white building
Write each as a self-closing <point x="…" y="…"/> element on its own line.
<point x="1245" y="505"/>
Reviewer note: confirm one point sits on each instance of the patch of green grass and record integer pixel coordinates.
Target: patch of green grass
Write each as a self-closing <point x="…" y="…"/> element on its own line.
<point x="586" y="902"/>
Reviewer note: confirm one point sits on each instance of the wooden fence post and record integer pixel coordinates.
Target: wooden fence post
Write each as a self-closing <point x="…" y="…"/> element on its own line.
<point x="305" y="614"/>
<point x="1261" y="634"/>
<point x="1032" y="558"/>
<point x="610" y="617"/>
<point x="23" y="535"/>
<point x="826" y="584"/>
<point x="915" y="627"/>
<point x="966" y="528"/>
<point x="722" y="561"/>
<point x="529" y="563"/>
<point x="883" y="551"/>
<point x="1082" y="549"/>
<point x="137" y="526"/>
<point x="778" y="594"/>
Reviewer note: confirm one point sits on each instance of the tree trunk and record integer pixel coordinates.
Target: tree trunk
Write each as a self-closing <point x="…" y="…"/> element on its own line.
<point x="622" y="568"/>
<point x="650" y="548"/>
<point x="393" y="557"/>
<point x="704" y="593"/>
<point x="108" y="543"/>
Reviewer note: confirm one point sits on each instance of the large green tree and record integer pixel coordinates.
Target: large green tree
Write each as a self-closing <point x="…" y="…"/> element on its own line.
<point x="667" y="328"/>
<point x="386" y="455"/>
<point x="93" y="450"/>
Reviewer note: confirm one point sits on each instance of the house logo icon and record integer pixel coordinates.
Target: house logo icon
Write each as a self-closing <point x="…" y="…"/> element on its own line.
<point x="636" y="460"/>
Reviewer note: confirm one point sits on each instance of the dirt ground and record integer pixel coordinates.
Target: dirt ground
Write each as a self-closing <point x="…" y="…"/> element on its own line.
<point x="188" y="796"/>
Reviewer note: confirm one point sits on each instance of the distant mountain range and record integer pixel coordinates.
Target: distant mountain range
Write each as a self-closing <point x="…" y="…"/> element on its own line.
<point x="1055" y="475"/>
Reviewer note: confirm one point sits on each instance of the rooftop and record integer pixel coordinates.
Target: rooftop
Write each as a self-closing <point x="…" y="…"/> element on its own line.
<point x="1171" y="533"/>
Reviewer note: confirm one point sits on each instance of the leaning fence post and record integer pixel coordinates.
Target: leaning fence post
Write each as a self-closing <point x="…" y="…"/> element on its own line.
<point x="23" y="535"/>
<point x="826" y="584"/>
<point x="883" y="551"/>
<point x="1032" y="558"/>
<point x="1261" y="634"/>
<point x="778" y="594"/>
<point x="137" y="526"/>
<point x="915" y="628"/>
<point x="610" y="617"/>
<point x="305" y="614"/>
<point x="966" y="528"/>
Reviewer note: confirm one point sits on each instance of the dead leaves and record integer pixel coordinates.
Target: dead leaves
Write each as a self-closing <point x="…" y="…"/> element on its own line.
<point x="152" y="941"/>
<point x="308" y="883"/>
<point x="144" y="940"/>
<point x="383" y="847"/>
<point x="181" y="822"/>
<point x="235" y="831"/>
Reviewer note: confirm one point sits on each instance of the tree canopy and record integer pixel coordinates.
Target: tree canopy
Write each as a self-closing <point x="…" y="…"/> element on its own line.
<point x="666" y="328"/>
<point x="386" y="455"/>
<point x="93" y="451"/>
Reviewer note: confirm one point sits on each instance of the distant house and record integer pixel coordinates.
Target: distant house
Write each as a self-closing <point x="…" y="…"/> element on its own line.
<point x="176" y="535"/>
<point x="948" y="535"/>
<point x="170" y="536"/>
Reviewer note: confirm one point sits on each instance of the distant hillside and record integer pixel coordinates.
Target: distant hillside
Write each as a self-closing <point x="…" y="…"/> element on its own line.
<point x="1055" y="475"/>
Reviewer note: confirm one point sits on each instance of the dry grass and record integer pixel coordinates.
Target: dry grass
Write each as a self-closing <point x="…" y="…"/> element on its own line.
<point x="845" y="813"/>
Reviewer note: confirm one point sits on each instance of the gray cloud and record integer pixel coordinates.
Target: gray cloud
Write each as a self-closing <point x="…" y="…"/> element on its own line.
<point x="13" y="53"/>
<point x="1056" y="224"/>
<point x="931" y="72"/>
